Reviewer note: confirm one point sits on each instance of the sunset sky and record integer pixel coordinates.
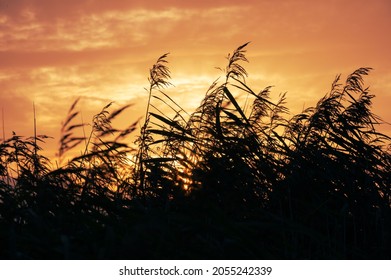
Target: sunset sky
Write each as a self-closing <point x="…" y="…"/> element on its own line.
<point x="52" y="52"/>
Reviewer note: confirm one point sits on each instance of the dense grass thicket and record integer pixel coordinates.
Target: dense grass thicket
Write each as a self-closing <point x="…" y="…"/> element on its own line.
<point x="229" y="180"/>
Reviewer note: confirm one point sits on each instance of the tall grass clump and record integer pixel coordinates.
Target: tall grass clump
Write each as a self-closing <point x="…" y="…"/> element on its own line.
<point x="236" y="178"/>
<point x="337" y="174"/>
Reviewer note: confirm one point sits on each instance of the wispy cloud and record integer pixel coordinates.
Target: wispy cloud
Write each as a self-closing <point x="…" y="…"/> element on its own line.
<point x="111" y="29"/>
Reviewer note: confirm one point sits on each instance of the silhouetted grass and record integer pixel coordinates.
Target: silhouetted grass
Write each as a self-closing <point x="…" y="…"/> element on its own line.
<point x="225" y="181"/>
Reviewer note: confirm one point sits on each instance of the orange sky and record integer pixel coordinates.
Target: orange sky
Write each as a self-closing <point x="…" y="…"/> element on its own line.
<point x="52" y="51"/>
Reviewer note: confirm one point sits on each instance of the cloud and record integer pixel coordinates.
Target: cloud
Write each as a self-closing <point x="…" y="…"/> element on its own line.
<point x="111" y="29"/>
<point x="86" y="32"/>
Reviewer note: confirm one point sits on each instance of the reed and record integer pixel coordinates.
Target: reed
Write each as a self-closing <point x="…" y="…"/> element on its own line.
<point x="225" y="181"/>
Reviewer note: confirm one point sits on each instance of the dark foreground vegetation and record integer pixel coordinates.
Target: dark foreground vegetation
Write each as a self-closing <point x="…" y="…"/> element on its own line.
<point x="230" y="180"/>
